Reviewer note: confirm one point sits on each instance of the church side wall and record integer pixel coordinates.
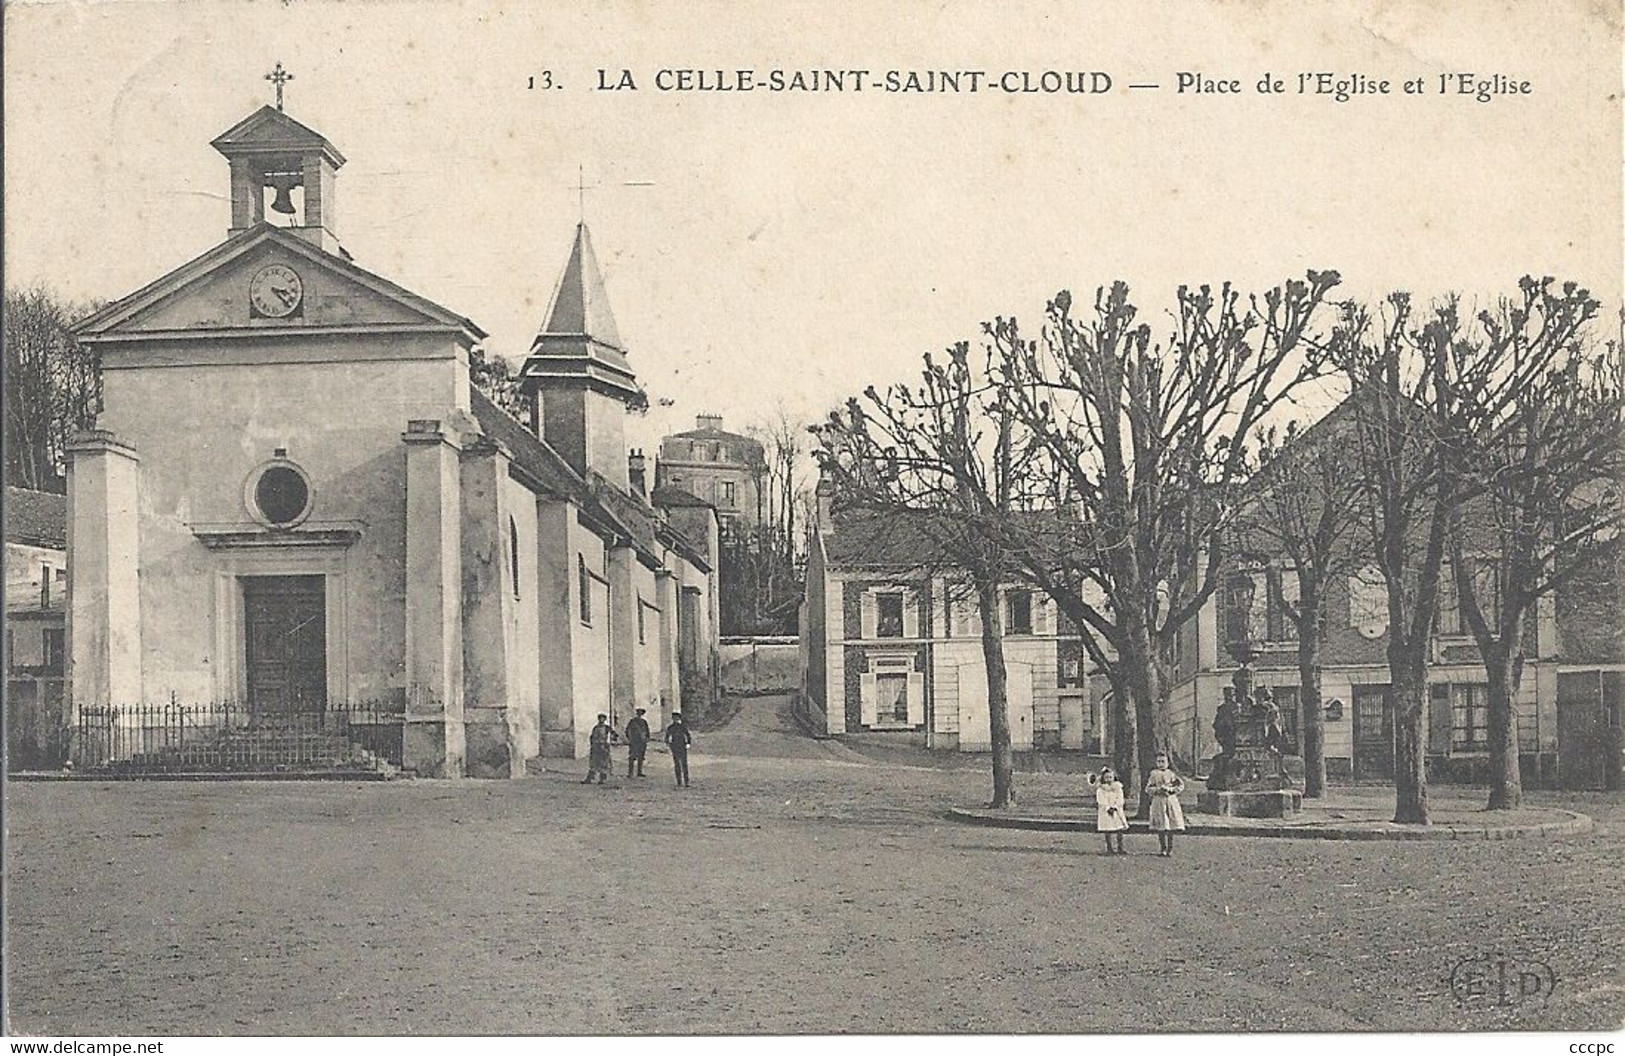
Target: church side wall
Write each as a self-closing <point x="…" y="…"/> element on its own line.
<point x="201" y="431"/>
<point x="643" y="636"/>
<point x="524" y="644"/>
<point x="590" y="638"/>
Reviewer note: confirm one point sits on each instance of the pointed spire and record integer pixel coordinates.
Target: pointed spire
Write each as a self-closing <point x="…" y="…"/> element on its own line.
<point x="580" y="305"/>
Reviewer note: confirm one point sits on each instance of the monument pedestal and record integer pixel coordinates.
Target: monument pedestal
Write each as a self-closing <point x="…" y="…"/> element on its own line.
<point x="1279" y="803"/>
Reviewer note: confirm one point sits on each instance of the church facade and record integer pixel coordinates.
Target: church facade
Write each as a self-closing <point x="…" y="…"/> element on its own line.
<point x="296" y="499"/>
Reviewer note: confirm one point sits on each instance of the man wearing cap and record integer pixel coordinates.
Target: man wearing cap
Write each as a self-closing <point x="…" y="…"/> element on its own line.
<point x="637" y="740"/>
<point x="678" y="737"/>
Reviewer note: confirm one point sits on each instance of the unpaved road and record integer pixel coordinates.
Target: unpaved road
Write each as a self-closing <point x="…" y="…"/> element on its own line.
<point x="791" y="889"/>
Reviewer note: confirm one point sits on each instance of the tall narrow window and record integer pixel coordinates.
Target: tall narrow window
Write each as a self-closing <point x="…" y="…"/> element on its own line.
<point x="584" y="581"/>
<point x="1020" y="619"/>
<point x="513" y="554"/>
<point x="640" y="620"/>
<point x="889" y="615"/>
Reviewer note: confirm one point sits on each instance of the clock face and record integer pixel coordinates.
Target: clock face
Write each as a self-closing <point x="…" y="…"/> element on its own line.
<point x="276" y="291"/>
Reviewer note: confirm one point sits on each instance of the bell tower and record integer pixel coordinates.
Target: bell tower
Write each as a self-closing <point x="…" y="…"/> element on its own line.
<point x="578" y="373"/>
<point x="274" y="157"/>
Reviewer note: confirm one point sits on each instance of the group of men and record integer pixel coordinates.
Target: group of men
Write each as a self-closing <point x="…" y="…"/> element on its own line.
<point x="677" y="738"/>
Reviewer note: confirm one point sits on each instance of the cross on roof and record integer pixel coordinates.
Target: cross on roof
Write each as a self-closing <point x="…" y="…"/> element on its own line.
<point x="279" y="77"/>
<point x="582" y="187"/>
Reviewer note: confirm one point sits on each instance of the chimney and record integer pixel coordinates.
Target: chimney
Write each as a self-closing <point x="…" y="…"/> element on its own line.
<point x="635" y="466"/>
<point x="825" y="494"/>
<point x="708" y="421"/>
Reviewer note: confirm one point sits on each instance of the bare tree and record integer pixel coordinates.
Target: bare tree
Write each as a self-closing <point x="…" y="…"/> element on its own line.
<point x="1541" y="469"/>
<point x="780" y="546"/>
<point x="1146" y="443"/>
<point x="1302" y="503"/>
<point x="1420" y="391"/>
<point x="52" y="383"/>
<point x="939" y="459"/>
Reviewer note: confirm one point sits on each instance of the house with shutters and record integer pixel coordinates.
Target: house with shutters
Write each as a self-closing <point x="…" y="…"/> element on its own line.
<point x="1569" y="702"/>
<point x="299" y="528"/>
<point x="36" y="634"/>
<point x="892" y="647"/>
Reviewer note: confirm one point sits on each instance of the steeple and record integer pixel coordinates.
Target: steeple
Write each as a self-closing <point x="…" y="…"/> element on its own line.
<point x="579" y="339"/>
<point x="577" y="370"/>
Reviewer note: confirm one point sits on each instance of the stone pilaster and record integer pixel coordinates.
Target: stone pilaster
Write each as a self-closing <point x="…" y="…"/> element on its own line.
<point x="433" y="740"/>
<point x="671" y="685"/>
<point x="491" y="739"/>
<point x="104" y="591"/>
<point x="623" y="616"/>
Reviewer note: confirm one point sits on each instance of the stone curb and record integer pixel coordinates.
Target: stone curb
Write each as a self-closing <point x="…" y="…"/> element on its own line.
<point x="1571" y="823"/>
<point x="247" y="775"/>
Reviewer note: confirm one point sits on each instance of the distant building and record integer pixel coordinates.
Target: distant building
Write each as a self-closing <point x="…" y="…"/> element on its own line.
<point x="1569" y="703"/>
<point x="893" y="651"/>
<point x="725" y="469"/>
<point x="36" y="654"/>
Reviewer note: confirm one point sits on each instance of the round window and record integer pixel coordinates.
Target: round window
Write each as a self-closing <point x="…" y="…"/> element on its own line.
<point x="281" y="495"/>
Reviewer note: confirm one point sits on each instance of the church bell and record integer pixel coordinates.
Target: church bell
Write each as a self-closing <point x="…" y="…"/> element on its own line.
<point x="283" y="183"/>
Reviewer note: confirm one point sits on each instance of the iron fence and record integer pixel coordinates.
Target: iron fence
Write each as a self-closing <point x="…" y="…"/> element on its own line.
<point x="233" y="737"/>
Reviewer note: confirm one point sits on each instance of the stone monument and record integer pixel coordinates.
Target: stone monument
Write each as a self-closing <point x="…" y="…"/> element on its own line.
<point x="1254" y="775"/>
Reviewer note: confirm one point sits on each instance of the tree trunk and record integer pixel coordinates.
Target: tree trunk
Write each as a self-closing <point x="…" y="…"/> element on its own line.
<point x="1122" y="724"/>
<point x="1146" y="679"/>
<point x="998" y="712"/>
<point x="1313" y="722"/>
<point x="1505" y="670"/>
<point x="1410" y="697"/>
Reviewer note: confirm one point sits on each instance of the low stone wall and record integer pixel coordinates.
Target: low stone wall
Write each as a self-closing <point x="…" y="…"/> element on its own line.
<point x="760" y="666"/>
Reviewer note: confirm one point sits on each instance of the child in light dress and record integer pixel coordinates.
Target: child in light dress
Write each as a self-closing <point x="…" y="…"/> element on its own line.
<point x="1110" y="820"/>
<point x="1163" y="785"/>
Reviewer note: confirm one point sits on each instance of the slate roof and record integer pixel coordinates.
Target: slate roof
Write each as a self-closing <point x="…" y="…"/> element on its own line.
<point x="546" y="467"/>
<point x="716" y="434"/>
<point x="614" y="511"/>
<point x="270" y="131"/>
<point x="36" y="518"/>
<point x="669" y="495"/>
<point x="579" y="338"/>
<point x="905" y="540"/>
<point x="862" y="540"/>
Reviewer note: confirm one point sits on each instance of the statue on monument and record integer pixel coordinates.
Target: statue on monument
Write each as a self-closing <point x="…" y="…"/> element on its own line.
<point x="1253" y="773"/>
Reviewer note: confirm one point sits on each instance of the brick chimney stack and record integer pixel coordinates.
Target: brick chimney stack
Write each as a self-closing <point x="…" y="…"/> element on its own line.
<point x="708" y="421"/>
<point x="636" y="467"/>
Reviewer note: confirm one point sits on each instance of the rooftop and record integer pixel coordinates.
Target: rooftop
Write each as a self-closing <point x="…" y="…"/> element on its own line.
<point x="36" y="518"/>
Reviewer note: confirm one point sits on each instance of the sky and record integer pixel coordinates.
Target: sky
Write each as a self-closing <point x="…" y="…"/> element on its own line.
<point x="792" y="248"/>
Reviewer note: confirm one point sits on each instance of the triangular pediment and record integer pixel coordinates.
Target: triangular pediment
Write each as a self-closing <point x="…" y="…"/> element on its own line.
<point x="212" y="296"/>
<point x="270" y="131"/>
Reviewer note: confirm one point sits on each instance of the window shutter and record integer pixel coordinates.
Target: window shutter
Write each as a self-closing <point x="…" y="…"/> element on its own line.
<point x="911" y="614"/>
<point x="866" y="694"/>
<point x="916" y="699"/>
<point x="869" y="618"/>
<point x="1439" y="719"/>
<point x="1449" y="605"/>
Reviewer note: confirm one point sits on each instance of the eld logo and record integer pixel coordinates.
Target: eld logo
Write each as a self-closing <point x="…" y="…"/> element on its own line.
<point x="1498" y="980"/>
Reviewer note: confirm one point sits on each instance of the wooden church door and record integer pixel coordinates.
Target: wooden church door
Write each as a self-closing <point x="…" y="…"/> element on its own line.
<point x="285" y="632"/>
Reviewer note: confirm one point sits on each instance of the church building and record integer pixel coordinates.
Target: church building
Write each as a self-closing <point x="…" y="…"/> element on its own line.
<point x="296" y="504"/>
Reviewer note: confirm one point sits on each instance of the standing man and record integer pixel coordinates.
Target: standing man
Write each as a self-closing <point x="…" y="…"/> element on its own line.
<point x="598" y="750"/>
<point x="637" y="740"/>
<point x="678" y="739"/>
